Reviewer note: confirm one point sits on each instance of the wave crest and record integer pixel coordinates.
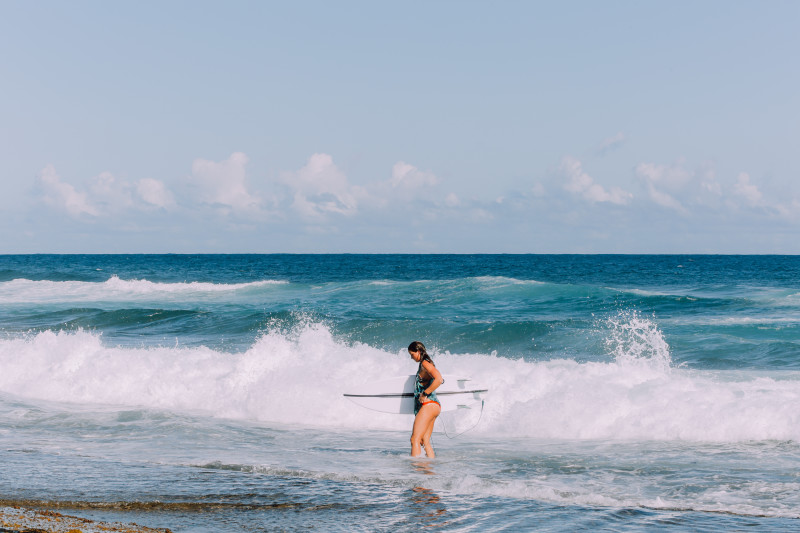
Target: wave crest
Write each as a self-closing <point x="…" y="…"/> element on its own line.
<point x="298" y="377"/>
<point x="26" y="291"/>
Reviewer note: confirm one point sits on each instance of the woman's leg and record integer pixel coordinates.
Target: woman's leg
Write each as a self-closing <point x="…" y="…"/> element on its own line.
<point x="426" y="437"/>
<point x="423" y="427"/>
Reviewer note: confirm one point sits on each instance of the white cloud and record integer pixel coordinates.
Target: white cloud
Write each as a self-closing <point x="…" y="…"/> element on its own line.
<point x="790" y="210"/>
<point x="748" y="191"/>
<point x="611" y="143"/>
<point x="671" y="178"/>
<point x="407" y="182"/>
<point x="110" y="192"/>
<point x="155" y="193"/>
<point x="480" y="215"/>
<point x="710" y="185"/>
<point x="335" y="213"/>
<point x="665" y="199"/>
<point x="321" y="188"/>
<point x="676" y="188"/>
<point x="225" y="183"/>
<point x="662" y="182"/>
<point x="63" y="195"/>
<point x="410" y="177"/>
<point x="106" y="195"/>
<point x="579" y="182"/>
<point x="452" y="200"/>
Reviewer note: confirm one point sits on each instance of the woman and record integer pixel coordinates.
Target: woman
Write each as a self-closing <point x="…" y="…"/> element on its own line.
<point x="426" y="404"/>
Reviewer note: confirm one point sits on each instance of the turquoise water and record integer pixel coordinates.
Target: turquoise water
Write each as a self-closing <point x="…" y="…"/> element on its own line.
<point x="204" y="393"/>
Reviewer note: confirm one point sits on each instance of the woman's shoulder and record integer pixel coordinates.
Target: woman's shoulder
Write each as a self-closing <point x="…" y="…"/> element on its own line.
<point x="427" y="364"/>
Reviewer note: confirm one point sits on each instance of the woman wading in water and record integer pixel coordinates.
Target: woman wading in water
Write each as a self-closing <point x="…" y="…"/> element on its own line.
<point x="426" y="404"/>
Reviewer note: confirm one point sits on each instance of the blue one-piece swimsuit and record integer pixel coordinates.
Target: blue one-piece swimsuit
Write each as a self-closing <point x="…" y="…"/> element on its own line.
<point x="418" y="388"/>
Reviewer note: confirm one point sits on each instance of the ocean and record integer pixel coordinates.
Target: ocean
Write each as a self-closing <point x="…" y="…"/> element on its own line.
<point x="204" y="393"/>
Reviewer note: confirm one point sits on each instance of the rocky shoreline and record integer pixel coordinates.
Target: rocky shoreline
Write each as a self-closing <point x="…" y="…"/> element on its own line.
<point x="14" y="519"/>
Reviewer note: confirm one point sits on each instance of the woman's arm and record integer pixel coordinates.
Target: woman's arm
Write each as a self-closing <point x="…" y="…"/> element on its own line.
<point x="437" y="378"/>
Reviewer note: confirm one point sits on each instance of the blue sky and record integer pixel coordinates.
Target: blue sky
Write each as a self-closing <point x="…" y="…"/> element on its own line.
<point x="519" y="127"/>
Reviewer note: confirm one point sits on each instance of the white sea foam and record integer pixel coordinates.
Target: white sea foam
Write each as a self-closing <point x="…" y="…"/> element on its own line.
<point x="29" y="291"/>
<point x="502" y="281"/>
<point x="299" y="377"/>
<point x="485" y="282"/>
<point x="746" y="498"/>
<point x="734" y="321"/>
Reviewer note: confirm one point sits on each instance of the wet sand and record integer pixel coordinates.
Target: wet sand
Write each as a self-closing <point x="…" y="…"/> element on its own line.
<point x="15" y="519"/>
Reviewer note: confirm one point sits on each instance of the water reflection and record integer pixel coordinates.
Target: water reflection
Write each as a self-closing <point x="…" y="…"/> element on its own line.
<point x="427" y="505"/>
<point x="423" y="466"/>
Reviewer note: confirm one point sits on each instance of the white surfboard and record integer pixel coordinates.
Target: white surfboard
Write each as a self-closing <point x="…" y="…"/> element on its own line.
<point x="396" y="395"/>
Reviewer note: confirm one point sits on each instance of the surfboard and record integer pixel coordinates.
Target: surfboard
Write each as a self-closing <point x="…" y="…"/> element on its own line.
<point x="396" y="395"/>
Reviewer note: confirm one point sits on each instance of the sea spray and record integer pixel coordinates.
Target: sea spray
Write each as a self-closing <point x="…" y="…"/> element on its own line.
<point x="299" y="377"/>
<point x="635" y="340"/>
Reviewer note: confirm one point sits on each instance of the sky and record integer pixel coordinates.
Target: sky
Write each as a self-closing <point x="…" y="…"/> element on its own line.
<point x="400" y="127"/>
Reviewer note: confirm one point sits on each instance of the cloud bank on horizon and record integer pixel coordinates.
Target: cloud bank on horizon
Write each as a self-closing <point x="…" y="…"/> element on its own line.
<point x="523" y="128"/>
<point x="320" y="198"/>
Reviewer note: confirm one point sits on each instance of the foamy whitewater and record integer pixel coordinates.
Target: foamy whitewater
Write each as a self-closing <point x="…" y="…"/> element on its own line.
<point x="204" y="393"/>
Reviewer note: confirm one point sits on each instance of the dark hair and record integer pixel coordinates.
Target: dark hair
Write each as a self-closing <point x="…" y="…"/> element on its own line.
<point x="417" y="346"/>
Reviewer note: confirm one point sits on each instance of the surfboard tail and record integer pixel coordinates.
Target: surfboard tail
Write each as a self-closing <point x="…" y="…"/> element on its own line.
<point x="464" y="418"/>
